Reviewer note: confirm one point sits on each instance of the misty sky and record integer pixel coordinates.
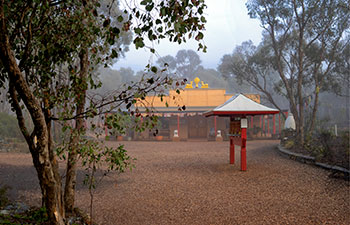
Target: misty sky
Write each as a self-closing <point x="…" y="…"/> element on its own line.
<point x="228" y="25"/>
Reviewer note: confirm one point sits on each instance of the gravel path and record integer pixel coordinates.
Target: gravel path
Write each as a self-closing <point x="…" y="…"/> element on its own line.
<point x="192" y="183"/>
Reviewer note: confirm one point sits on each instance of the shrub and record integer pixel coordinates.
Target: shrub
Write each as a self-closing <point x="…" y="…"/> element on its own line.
<point x="4" y="201"/>
<point x="289" y="144"/>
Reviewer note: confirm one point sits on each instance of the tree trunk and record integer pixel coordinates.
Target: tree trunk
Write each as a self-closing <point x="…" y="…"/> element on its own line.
<point x="69" y="190"/>
<point x="314" y="110"/>
<point x="45" y="165"/>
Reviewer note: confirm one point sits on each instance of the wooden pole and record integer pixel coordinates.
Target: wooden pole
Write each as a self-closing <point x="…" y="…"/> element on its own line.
<point x="263" y="121"/>
<point x="274" y="124"/>
<point x="215" y="126"/>
<point x="268" y="125"/>
<point x="279" y="123"/>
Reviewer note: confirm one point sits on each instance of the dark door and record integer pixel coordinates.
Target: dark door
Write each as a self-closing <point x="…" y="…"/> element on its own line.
<point x="197" y="127"/>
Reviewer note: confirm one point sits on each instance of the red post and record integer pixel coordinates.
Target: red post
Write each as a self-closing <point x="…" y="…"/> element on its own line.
<point x="243" y="149"/>
<point x="232" y="151"/>
<point x="263" y="121"/>
<point x="178" y="124"/>
<point x="279" y="123"/>
<point x="215" y="126"/>
<point x="268" y="125"/>
<point x="260" y="121"/>
<point x="274" y="124"/>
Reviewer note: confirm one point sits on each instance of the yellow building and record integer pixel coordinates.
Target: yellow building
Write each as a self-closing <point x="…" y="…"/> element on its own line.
<point x="181" y="113"/>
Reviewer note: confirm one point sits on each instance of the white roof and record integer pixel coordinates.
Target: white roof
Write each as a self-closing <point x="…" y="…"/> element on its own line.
<point x="241" y="104"/>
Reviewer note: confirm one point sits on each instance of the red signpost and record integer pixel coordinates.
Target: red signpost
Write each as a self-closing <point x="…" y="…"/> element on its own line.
<point x="238" y="136"/>
<point x="238" y="108"/>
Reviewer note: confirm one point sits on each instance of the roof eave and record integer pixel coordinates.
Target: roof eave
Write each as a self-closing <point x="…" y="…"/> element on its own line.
<point x="238" y="113"/>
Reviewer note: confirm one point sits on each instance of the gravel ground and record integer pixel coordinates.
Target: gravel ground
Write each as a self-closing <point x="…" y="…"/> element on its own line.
<point x="192" y="183"/>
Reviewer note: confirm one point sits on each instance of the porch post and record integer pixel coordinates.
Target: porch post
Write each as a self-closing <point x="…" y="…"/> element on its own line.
<point x="279" y="123"/>
<point x="232" y="151"/>
<point x="274" y="124"/>
<point x="263" y="125"/>
<point x="268" y="125"/>
<point x="215" y="126"/>
<point x="260" y="124"/>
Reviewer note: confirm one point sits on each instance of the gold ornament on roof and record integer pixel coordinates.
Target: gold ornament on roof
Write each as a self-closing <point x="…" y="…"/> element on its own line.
<point x="196" y="81"/>
<point x="204" y="85"/>
<point x="189" y="85"/>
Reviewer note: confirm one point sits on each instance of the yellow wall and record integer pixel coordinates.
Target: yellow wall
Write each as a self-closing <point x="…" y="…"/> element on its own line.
<point x="193" y="98"/>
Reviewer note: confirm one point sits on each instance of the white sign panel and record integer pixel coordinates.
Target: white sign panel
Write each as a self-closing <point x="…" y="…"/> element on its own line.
<point x="244" y="123"/>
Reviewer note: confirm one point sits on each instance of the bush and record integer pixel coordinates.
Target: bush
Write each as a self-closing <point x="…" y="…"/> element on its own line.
<point x="326" y="147"/>
<point x="4" y="201"/>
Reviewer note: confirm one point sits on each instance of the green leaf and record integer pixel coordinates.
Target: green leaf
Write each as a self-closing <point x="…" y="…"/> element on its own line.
<point x="106" y="22"/>
<point x="120" y="19"/>
<point x="137" y="30"/>
<point x="150" y="7"/>
<point x="154" y="69"/>
<point x="114" y="54"/>
<point x="199" y="36"/>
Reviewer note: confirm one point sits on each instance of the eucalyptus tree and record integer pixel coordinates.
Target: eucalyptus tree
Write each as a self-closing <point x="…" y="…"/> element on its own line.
<point x="250" y="64"/>
<point x="305" y="38"/>
<point x="37" y="38"/>
<point x="184" y="64"/>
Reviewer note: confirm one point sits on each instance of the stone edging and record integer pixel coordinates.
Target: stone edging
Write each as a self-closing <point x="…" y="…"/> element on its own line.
<point x="311" y="160"/>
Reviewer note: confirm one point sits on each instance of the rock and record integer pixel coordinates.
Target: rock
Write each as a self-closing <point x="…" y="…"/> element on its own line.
<point x="21" y="207"/>
<point x="4" y="212"/>
<point x="17" y="207"/>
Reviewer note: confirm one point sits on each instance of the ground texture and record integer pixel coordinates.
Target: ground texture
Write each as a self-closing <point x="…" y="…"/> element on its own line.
<point x="192" y="183"/>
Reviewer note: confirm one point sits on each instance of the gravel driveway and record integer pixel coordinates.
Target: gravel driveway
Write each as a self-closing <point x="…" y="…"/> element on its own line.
<point x="192" y="183"/>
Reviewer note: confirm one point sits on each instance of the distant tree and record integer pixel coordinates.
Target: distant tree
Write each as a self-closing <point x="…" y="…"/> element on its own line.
<point x="212" y="77"/>
<point x="305" y="38"/>
<point x="341" y="70"/>
<point x="187" y="62"/>
<point x="184" y="64"/>
<point x="5" y="106"/>
<point x="252" y="65"/>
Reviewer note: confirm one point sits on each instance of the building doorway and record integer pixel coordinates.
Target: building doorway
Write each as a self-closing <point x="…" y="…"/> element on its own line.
<point x="197" y="126"/>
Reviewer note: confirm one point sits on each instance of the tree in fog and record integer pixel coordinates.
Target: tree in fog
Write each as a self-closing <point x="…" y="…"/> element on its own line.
<point x="341" y="70"/>
<point x="251" y="65"/>
<point x="212" y="77"/>
<point x="305" y="40"/>
<point x="184" y="64"/>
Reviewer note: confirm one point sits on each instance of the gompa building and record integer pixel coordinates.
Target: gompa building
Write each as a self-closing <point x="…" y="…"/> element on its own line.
<point x="190" y="124"/>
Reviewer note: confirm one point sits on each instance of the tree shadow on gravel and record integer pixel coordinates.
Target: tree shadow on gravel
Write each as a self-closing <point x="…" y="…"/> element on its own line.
<point x="23" y="182"/>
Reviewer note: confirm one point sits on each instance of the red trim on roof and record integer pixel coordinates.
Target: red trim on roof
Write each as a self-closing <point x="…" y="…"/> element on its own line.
<point x="236" y="113"/>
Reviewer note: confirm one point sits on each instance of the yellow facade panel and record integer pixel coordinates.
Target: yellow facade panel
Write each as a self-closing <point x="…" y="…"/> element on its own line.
<point x="192" y="97"/>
